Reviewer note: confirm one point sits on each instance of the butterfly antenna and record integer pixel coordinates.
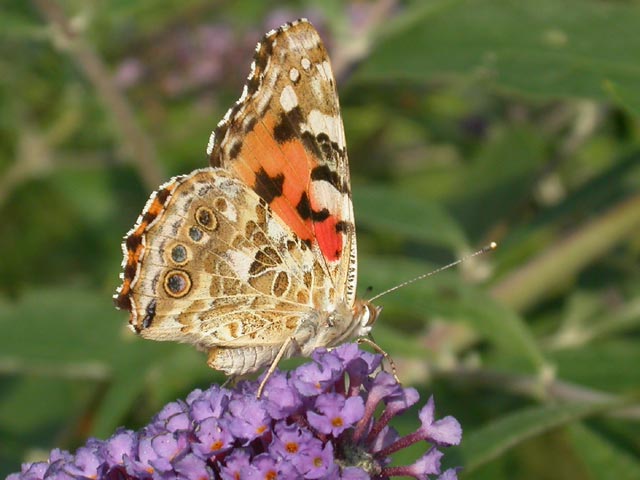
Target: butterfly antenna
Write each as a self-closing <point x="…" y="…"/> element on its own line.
<point x="485" y="249"/>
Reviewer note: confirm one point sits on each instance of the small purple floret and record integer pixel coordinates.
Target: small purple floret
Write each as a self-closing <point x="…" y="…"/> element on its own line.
<point x="336" y="413"/>
<point x="327" y="419"/>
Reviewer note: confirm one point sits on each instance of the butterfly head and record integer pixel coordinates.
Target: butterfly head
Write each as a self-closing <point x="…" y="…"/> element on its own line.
<point x="366" y="313"/>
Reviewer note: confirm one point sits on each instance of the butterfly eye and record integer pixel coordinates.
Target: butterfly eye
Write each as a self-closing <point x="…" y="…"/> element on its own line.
<point x="177" y="283"/>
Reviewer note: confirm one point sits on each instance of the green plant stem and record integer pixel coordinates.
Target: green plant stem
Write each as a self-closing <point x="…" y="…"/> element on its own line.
<point x="558" y="265"/>
<point x="553" y="390"/>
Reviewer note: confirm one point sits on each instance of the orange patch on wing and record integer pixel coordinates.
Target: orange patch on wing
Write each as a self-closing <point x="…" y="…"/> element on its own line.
<point x="329" y="239"/>
<point x="260" y="150"/>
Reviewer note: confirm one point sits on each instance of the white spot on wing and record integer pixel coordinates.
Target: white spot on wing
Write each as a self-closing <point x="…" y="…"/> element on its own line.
<point x="326" y="195"/>
<point x="316" y="86"/>
<point x="325" y="69"/>
<point x="240" y="263"/>
<point x="294" y="74"/>
<point x="275" y="231"/>
<point x="288" y="98"/>
<point x="306" y="63"/>
<point x="328" y="124"/>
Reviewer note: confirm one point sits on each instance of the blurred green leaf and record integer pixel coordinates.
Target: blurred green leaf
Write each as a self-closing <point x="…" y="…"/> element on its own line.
<point x="24" y="420"/>
<point x="592" y="365"/>
<point x="487" y="443"/>
<point x="448" y="296"/>
<point x="382" y="210"/>
<point x="548" y="48"/>
<point x="60" y="325"/>
<point x="602" y="455"/>
<point x="76" y="334"/>
<point x="623" y="96"/>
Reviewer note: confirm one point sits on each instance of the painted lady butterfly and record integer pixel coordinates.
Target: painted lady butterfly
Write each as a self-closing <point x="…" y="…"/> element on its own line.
<point x="254" y="258"/>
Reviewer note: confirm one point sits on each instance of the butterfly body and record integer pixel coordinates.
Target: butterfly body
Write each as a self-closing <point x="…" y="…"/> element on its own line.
<point x="254" y="258"/>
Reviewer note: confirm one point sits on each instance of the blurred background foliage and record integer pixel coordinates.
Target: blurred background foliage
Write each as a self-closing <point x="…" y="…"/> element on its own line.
<point x="467" y="121"/>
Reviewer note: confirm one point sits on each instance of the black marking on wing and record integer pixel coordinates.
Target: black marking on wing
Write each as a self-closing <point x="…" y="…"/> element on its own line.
<point x="268" y="187"/>
<point x="306" y="212"/>
<point x="288" y="126"/>
<point x="323" y="172"/>
<point x="150" y="311"/>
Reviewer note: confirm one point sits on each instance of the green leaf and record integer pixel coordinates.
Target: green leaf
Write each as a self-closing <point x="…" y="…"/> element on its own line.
<point x="448" y="296"/>
<point x="603" y="457"/>
<point x="57" y="326"/>
<point x="76" y="334"/>
<point x="384" y="210"/>
<point x="493" y="440"/>
<point x="592" y="365"/>
<point x="547" y="48"/>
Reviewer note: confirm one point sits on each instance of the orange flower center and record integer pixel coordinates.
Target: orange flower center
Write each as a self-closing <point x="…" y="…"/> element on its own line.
<point x="216" y="445"/>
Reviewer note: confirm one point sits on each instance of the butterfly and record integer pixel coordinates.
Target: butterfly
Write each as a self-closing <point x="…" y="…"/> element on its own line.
<point x="253" y="258"/>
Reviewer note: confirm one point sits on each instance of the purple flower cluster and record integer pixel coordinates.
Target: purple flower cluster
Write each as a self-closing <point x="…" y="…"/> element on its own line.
<point x="318" y="421"/>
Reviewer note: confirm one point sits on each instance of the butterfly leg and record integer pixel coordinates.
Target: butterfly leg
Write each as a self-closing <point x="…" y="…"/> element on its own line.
<point x="272" y="368"/>
<point x="371" y="342"/>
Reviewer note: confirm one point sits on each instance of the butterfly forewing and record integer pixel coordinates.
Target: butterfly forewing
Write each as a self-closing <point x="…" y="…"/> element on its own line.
<point x="285" y="138"/>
